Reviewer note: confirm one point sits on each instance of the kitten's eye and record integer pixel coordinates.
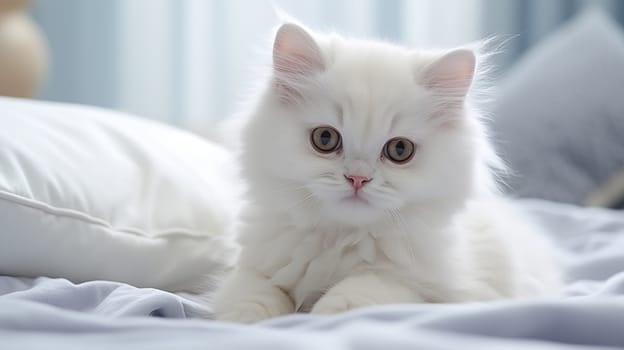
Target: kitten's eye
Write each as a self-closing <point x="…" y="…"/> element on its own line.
<point x="399" y="150"/>
<point x="325" y="139"/>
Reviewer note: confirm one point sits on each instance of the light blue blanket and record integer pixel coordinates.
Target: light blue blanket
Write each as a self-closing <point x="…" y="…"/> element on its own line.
<point x="56" y="314"/>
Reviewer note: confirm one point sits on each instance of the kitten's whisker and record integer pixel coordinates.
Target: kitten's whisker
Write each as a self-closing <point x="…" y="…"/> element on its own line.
<point x="423" y="223"/>
<point x="403" y="229"/>
<point x="301" y="202"/>
<point x="289" y="188"/>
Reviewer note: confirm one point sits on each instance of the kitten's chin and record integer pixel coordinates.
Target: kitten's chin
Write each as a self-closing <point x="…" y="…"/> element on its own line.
<point x="353" y="211"/>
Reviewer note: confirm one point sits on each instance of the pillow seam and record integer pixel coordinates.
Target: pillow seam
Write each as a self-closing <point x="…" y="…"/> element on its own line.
<point x="89" y="219"/>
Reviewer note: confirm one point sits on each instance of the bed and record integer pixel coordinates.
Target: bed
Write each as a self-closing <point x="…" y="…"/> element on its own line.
<point x="55" y="313"/>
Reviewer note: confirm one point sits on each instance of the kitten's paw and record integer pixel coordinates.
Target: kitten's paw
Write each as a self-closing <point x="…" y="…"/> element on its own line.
<point x="248" y="297"/>
<point x="251" y="312"/>
<point x="335" y="303"/>
<point x="245" y="314"/>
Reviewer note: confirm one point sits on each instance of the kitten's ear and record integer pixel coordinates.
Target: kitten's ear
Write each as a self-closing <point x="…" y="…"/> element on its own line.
<point x="295" y="54"/>
<point x="452" y="73"/>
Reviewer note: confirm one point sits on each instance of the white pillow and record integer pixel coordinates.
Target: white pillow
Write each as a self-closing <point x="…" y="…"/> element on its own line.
<point x="87" y="194"/>
<point x="559" y="117"/>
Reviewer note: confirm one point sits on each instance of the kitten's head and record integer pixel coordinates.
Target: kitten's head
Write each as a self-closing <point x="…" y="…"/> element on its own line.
<point x="353" y="131"/>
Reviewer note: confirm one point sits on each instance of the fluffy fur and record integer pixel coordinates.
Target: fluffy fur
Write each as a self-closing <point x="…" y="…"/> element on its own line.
<point x="433" y="229"/>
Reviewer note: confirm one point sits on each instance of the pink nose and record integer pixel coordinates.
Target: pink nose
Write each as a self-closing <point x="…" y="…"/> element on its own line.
<point x="357" y="181"/>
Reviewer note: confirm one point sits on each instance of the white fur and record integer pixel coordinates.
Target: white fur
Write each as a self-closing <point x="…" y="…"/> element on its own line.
<point x="434" y="229"/>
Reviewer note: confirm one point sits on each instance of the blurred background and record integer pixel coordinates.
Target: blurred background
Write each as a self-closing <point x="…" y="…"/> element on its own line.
<point x="188" y="62"/>
<point x="557" y="116"/>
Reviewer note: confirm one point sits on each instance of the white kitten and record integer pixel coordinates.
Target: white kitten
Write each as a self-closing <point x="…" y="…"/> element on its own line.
<point x="370" y="183"/>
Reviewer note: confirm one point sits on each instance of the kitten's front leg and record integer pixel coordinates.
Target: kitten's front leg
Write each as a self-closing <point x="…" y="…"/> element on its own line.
<point x="247" y="297"/>
<point x="363" y="290"/>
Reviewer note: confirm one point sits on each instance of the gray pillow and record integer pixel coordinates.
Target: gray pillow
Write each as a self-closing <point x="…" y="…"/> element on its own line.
<point x="559" y="118"/>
